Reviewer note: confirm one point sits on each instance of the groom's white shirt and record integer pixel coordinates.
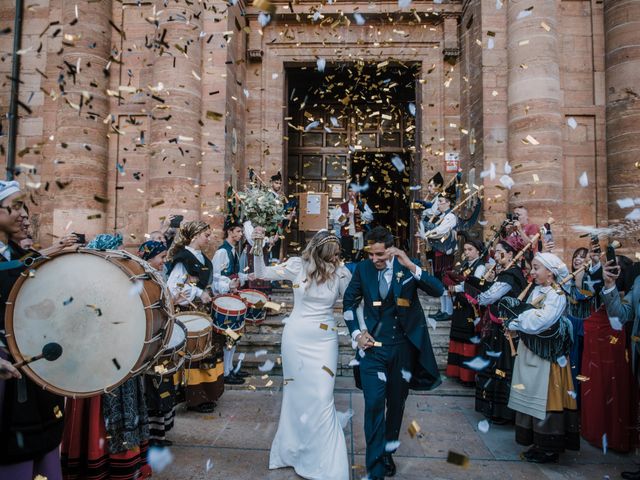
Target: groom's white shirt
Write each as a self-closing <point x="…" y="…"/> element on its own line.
<point x="388" y="276"/>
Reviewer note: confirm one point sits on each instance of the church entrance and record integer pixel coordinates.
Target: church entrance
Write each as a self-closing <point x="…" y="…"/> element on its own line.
<point x="355" y="126"/>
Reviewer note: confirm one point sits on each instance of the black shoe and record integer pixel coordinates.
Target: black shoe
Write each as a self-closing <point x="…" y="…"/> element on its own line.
<point x="389" y="465"/>
<point x="441" y="317"/>
<point x="207" y="407"/>
<point x="241" y="374"/>
<point x="631" y="475"/>
<point x="538" y="456"/>
<point x="231" y="379"/>
<point x="166" y="443"/>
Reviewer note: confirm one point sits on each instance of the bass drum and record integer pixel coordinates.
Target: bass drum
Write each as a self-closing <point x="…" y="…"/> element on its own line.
<point x="109" y="310"/>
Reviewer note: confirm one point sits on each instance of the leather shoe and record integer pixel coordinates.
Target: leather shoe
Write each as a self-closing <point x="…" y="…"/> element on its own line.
<point x="231" y="379"/>
<point x="631" y="475"/>
<point x="441" y="317"/>
<point x="241" y="374"/>
<point x="389" y="465"/>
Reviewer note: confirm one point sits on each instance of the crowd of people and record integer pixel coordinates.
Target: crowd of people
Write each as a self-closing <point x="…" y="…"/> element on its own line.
<point x="546" y="348"/>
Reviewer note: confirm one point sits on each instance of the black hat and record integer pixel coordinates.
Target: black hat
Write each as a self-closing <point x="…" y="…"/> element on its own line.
<point x="230" y="222"/>
<point x="277" y="177"/>
<point x="451" y="193"/>
<point x="437" y="180"/>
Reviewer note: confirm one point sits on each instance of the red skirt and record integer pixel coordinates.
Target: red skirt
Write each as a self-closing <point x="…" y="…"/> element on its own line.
<point x="609" y="396"/>
<point x="84" y="451"/>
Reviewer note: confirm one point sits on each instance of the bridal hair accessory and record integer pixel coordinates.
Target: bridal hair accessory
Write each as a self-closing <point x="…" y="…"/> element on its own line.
<point x="328" y="239"/>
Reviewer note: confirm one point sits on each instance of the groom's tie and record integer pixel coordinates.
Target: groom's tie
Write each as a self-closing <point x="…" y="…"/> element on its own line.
<point x="383" y="287"/>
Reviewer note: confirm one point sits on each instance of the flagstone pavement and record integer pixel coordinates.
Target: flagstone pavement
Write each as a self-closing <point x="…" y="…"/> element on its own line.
<point x="233" y="442"/>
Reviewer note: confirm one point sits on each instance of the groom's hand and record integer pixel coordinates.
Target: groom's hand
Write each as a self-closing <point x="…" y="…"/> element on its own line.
<point x="365" y="340"/>
<point x="403" y="258"/>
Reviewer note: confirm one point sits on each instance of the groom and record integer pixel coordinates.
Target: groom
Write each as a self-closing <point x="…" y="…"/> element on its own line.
<point x="396" y="344"/>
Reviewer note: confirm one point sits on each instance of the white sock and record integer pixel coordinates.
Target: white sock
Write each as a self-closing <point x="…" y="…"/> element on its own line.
<point x="446" y="304"/>
<point x="228" y="360"/>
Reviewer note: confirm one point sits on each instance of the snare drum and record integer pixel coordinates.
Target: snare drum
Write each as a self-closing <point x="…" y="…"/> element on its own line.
<point x="228" y="311"/>
<point x="109" y="310"/>
<point x="198" y="327"/>
<point x="255" y="301"/>
<point x="172" y="357"/>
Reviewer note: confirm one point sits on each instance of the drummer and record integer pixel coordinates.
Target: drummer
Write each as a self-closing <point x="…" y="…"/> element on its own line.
<point x="30" y="427"/>
<point x="228" y="277"/>
<point x="160" y="390"/>
<point x="190" y="278"/>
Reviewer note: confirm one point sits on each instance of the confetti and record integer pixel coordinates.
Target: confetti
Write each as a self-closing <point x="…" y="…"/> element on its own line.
<point x="354" y="363"/>
<point x="328" y="370"/>
<point x="382" y="376"/>
<point x="518" y="386"/>
<point x="604" y="443"/>
<point x="321" y="63"/>
<point x="582" y="378"/>
<point x="392" y="446"/>
<point x="209" y="465"/>
<point x="414" y="429"/>
<point x="531" y="140"/>
<point x="359" y="19"/>
<point x="583" y="180"/>
<point x="267" y="366"/>
<point x="572" y="123"/>
<point x="561" y="361"/>
<point x="483" y="426"/>
<point x="260" y="353"/>
<point x="477" y="364"/>
<point x="615" y="323"/>
<point x="404" y="3"/>
<point x="159" y="458"/>
<point x="344" y="417"/>
<point x="458" y="459"/>
<point x="406" y="376"/>
<point x="493" y="354"/>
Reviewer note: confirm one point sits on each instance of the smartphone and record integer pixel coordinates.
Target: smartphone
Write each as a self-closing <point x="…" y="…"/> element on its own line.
<point x="611" y="256"/>
<point x="595" y="244"/>
<point x="547" y="233"/>
<point x="176" y="221"/>
<point x="82" y="238"/>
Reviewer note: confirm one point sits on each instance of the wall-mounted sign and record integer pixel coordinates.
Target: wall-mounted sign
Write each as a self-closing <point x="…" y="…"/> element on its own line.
<point x="451" y="162"/>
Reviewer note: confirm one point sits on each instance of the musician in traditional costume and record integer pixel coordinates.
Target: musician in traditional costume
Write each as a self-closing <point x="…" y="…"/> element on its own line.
<point x="228" y="277"/>
<point x="354" y="217"/>
<point x="464" y="323"/>
<point x="107" y="436"/>
<point x="441" y="233"/>
<point x="31" y="419"/>
<point x="493" y="383"/>
<point x="543" y="394"/>
<point x="190" y="282"/>
<point x="160" y="389"/>
<point x="289" y="212"/>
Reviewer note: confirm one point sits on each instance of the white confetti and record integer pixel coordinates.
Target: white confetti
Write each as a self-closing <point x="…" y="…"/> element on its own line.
<point x="615" y="323"/>
<point x="209" y="465"/>
<point x="572" y="123"/>
<point x="354" y="363"/>
<point x="477" y="364"/>
<point x="159" y="458"/>
<point x="274" y="76"/>
<point x="264" y="19"/>
<point x="398" y="163"/>
<point x="382" y="376"/>
<point x="572" y="394"/>
<point x="475" y="340"/>
<point x="412" y="109"/>
<point x="404" y="3"/>
<point x="584" y="180"/>
<point x="604" y="443"/>
<point x="358" y="18"/>
<point x="625" y="202"/>
<point x="321" y="63"/>
<point x="491" y="43"/>
<point x="507" y="181"/>
<point x="266" y="366"/>
<point x="562" y="361"/>
<point x="483" y="426"/>
<point x="493" y="354"/>
<point x="432" y="323"/>
<point x="634" y="215"/>
<point x="260" y="353"/>
<point x="313" y="124"/>
<point x="406" y="376"/>
<point x="498" y="4"/>
<point x="392" y="446"/>
<point x="136" y="288"/>
<point x="523" y="14"/>
<point x="491" y="173"/>
<point x="507" y="168"/>
<point x="344" y="417"/>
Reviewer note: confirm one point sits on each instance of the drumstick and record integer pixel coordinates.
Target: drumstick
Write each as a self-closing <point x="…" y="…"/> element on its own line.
<point x="51" y="352"/>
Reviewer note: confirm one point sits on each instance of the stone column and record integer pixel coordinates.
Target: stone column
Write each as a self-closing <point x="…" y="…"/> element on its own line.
<point x="534" y="109"/>
<point x="81" y="152"/>
<point x="622" y="77"/>
<point x="174" y="174"/>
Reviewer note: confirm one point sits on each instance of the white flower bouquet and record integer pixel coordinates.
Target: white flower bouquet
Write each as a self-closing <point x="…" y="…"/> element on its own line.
<point x="263" y="209"/>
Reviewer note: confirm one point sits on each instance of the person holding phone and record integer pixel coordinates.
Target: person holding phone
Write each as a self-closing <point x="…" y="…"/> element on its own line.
<point x="608" y="404"/>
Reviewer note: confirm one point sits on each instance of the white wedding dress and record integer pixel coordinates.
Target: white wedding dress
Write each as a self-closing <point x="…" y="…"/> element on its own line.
<point x="309" y="437"/>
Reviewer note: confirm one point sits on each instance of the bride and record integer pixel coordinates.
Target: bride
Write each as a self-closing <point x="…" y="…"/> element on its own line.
<point x="309" y="437"/>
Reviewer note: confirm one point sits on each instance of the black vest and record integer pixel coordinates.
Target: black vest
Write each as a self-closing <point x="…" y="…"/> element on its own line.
<point x="233" y="266"/>
<point x="194" y="268"/>
<point x="32" y="418"/>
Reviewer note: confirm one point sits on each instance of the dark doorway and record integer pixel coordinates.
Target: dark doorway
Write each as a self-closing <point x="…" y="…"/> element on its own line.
<point x="355" y="123"/>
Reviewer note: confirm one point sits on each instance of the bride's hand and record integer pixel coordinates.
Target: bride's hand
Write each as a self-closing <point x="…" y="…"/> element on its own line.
<point x="258" y="233"/>
<point x="365" y="340"/>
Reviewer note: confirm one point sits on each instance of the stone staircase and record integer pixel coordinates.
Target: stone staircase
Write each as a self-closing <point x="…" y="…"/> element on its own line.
<point x="266" y="337"/>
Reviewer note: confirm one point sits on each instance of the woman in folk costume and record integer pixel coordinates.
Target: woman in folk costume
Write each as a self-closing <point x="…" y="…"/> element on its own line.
<point x="493" y="383"/>
<point x="228" y="277"/>
<point x="543" y="394"/>
<point x="106" y="436"/>
<point x="31" y="419"/>
<point x="160" y="390"/>
<point x="190" y="282"/>
<point x="442" y="235"/>
<point x="462" y="348"/>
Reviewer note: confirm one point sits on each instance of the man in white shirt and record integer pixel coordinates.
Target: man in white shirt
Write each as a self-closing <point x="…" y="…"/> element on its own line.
<point x="352" y="216"/>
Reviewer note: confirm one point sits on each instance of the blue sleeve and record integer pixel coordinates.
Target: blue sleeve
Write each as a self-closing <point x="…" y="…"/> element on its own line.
<point x="351" y="300"/>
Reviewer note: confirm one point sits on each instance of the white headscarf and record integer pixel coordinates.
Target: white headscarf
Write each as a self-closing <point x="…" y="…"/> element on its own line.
<point x="553" y="264"/>
<point x="8" y="188"/>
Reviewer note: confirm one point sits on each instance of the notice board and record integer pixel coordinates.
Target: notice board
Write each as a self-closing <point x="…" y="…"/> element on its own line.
<point x="313" y="212"/>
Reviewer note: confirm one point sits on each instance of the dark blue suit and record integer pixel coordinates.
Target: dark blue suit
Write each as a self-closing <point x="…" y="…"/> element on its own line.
<point x="399" y="323"/>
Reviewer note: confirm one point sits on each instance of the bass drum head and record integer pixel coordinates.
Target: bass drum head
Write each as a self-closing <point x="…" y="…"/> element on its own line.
<point x="178" y="336"/>
<point x="194" y="321"/>
<point x="88" y="306"/>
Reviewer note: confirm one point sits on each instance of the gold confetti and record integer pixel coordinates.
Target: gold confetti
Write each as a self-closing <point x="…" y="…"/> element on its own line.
<point x="582" y="378"/>
<point x="531" y="140"/>
<point x="458" y="459"/>
<point x="57" y="412"/>
<point x="269" y="383"/>
<point x="414" y="429"/>
<point x="545" y="26"/>
<point x="518" y="386"/>
<point x="328" y="370"/>
<point x="613" y="340"/>
<point x="324" y="326"/>
<point x="500" y="373"/>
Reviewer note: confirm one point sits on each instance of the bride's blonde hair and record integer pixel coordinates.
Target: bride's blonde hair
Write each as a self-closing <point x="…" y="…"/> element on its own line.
<point x="322" y="257"/>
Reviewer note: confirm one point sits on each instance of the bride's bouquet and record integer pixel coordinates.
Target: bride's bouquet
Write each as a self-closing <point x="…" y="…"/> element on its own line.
<point x="262" y="209"/>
